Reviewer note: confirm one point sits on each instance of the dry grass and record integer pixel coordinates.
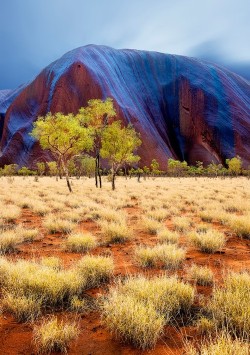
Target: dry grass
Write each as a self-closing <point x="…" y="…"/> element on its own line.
<point x="115" y="232"/>
<point x="9" y="241"/>
<point x="95" y="269"/>
<point x="181" y="224"/>
<point x="80" y="242"/>
<point x="151" y="225"/>
<point x="164" y="235"/>
<point x="56" y="224"/>
<point x="209" y="241"/>
<point x="221" y="345"/>
<point x="229" y="306"/>
<point x="202" y="275"/>
<point x="137" y="310"/>
<point x="54" y="335"/>
<point x="168" y="255"/>
<point x="131" y="320"/>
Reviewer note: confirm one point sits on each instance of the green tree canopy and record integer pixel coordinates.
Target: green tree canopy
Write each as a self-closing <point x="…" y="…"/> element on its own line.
<point x="118" y="146"/>
<point x="96" y="116"/>
<point x="64" y="136"/>
<point x="234" y="165"/>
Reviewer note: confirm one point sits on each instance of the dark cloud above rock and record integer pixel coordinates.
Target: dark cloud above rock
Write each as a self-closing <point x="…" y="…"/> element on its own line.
<point x="35" y="33"/>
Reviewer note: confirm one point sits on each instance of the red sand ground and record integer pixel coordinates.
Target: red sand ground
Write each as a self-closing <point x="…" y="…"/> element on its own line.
<point x="94" y="339"/>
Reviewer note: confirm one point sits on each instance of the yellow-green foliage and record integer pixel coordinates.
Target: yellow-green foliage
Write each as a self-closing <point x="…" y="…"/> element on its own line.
<point x="230" y="304"/>
<point x="221" y="345"/>
<point x="78" y="305"/>
<point x="209" y="241"/>
<point x="158" y="214"/>
<point x="11" y="213"/>
<point x="9" y="241"/>
<point x="168" y="255"/>
<point x="115" y="232"/>
<point x="54" y="335"/>
<point x="202" y="275"/>
<point x="181" y="224"/>
<point x="24" y="308"/>
<point x="55" y="224"/>
<point x="241" y="225"/>
<point x="27" y="278"/>
<point x="80" y="242"/>
<point x="168" y="295"/>
<point x="151" y="225"/>
<point x="51" y="262"/>
<point x="164" y="235"/>
<point x="137" y="310"/>
<point x="27" y="235"/>
<point x="95" y="269"/>
<point x="131" y="320"/>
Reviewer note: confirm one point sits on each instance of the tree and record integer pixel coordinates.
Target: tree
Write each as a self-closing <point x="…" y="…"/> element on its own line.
<point x="118" y="146"/>
<point x="176" y="167"/>
<point x="146" y="171"/>
<point x="9" y="170"/>
<point x="155" y="167"/>
<point x="87" y="165"/>
<point x="41" y="167"/>
<point x="24" y="171"/>
<point x="214" y="169"/>
<point x="96" y="116"/>
<point x="53" y="168"/>
<point x="234" y="165"/>
<point x="64" y="136"/>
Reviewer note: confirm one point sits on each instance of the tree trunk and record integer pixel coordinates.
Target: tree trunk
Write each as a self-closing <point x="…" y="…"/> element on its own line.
<point x="98" y="177"/>
<point x="113" y="178"/>
<point x="96" y="170"/>
<point x="66" y="172"/>
<point x="99" y="172"/>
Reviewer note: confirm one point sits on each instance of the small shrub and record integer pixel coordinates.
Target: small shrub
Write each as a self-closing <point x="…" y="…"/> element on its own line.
<point x="206" y="325"/>
<point x="168" y="295"/>
<point x="54" y="335"/>
<point x="181" y="224"/>
<point x="240" y="225"/>
<point x="167" y="254"/>
<point x="80" y="242"/>
<point x="158" y="214"/>
<point x="10" y="213"/>
<point x="131" y="320"/>
<point x="146" y="256"/>
<point x="229" y="306"/>
<point x="27" y="235"/>
<point x="202" y="275"/>
<point x="151" y="225"/>
<point x="171" y="256"/>
<point x="95" y="269"/>
<point x="56" y="224"/>
<point x="166" y="236"/>
<point x="115" y="232"/>
<point x="209" y="241"/>
<point x="23" y="308"/>
<point x="40" y="208"/>
<point x="221" y="345"/>
<point x="78" y="305"/>
<point x="51" y="262"/>
<point x="9" y="242"/>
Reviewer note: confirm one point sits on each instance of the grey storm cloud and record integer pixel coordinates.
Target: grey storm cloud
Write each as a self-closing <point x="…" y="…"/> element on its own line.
<point x="33" y="33"/>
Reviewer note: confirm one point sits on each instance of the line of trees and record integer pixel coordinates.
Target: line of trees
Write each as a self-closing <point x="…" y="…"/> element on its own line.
<point x="78" y="141"/>
<point x="70" y="136"/>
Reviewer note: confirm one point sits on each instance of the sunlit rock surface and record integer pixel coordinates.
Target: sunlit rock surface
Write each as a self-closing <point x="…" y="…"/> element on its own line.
<point x="183" y="107"/>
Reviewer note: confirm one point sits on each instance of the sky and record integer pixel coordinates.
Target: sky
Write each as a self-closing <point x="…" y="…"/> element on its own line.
<point x="33" y="33"/>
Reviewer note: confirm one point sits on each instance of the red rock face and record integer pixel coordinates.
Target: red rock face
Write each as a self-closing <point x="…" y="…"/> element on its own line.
<point x="182" y="107"/>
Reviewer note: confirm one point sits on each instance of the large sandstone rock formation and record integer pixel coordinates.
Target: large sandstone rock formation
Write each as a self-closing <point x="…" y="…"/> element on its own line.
<point x="183" y="107"/>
